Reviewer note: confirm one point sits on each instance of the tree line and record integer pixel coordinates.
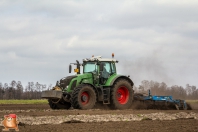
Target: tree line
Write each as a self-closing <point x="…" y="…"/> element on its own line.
<point x="15" y="90"/>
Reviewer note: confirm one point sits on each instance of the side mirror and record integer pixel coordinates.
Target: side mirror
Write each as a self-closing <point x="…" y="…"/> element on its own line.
<point x="101" y="66"/>
<point x="78" y="66"/>
<point x="70" y="68"/>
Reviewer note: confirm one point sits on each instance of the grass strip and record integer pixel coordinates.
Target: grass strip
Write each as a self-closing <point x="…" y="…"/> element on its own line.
<point x="34" y="101"/>
<point x="192" y="101"/>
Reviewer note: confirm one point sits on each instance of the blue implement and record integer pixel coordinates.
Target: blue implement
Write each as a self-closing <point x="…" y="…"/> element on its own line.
<point x="155" y="101"/>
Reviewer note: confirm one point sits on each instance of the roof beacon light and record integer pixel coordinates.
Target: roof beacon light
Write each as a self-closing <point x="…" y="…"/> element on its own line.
<point x="112" y="55"/>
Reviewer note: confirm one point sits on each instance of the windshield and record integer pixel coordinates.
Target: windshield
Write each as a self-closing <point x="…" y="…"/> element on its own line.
<point x="90" y="67"/>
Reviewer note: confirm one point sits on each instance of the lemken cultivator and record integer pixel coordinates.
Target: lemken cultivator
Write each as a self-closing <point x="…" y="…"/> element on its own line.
<point x="161" y="102"/>
<point x="100" y="83"/>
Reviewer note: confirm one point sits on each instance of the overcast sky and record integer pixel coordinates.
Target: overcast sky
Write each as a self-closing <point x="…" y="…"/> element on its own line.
<point x="153" y="39"/>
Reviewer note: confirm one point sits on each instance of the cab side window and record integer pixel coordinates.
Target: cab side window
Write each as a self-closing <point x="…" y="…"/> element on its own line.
<point x="108" y="67"/>
<point x="113" y="68"/>
<point x="106" y="70"/>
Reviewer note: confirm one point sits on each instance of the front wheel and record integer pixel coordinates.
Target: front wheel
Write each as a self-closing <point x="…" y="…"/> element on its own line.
<point x="55" y="104"/>
<point x="83" y="97"/>
<point x="121" y="95"/>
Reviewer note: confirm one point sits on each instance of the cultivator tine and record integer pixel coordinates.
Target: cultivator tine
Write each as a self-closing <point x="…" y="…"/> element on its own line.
<point x="177" y="107"/>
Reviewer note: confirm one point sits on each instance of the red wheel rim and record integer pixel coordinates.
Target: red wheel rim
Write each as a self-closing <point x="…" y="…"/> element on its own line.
<point x="122" y="95"/>
<point x="84" y="98"/>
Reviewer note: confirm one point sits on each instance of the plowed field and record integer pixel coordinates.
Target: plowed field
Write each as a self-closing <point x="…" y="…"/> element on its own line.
<point x="39" y="118"/>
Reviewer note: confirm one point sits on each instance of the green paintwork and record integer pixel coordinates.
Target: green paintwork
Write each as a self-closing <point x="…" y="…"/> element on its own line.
<point x="111" y="79"/>
<point x="81" y="78"/>
<point x="88" y="78"/>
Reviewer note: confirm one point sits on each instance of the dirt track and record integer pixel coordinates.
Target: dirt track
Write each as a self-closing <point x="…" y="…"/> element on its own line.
<point x="147" y="120"/>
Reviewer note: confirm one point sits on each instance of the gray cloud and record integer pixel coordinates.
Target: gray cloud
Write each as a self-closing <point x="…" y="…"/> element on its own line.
<point x="153" y="40"/>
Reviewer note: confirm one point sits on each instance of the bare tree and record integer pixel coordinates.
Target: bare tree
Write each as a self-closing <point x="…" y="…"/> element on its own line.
<point x="49" y="87"/>
<point x="19" y="89"/>
<point x="1" y="91"/>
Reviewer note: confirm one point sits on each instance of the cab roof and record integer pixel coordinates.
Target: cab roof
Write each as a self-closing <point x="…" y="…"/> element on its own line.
<point x="99" y="58"/>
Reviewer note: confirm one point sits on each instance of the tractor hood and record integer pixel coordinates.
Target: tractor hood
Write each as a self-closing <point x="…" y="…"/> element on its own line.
<point x="66" y="80"/>
<point x="70" y="82"/>
<point x="86" y="77"/>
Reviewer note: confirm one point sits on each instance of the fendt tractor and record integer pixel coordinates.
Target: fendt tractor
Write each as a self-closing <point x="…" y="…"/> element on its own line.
<point x="98" y="83"/>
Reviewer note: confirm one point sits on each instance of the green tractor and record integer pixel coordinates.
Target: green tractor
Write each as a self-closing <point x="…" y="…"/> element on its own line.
<point x="99" y="83"/>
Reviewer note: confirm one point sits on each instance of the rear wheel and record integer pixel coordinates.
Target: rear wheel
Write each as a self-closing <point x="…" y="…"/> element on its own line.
<point x="121" y="95"/>
<point x="83" y="97"/>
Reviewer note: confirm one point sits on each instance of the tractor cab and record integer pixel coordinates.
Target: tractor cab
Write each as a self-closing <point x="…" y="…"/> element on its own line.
<point x="100" y="68"/>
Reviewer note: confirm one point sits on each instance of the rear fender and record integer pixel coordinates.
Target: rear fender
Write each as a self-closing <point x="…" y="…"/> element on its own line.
<point x="111" y="81"/>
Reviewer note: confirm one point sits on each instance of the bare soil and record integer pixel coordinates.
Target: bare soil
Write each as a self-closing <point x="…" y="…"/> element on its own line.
<point x="146" y="125"/>
<point x="137" y="126"/>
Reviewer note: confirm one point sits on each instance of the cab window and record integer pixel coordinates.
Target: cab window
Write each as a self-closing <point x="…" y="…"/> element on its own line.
<point x="90" y="67"/>
<point x="113" y="68"/>
<point x="109" y="67"/>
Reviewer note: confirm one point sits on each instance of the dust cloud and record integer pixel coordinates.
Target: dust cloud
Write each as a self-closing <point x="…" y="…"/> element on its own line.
<point x="149" y="68"/>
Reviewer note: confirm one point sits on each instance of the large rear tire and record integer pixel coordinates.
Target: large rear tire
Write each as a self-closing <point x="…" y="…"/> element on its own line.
<point x="59" y="105"/>
<point x="83" y="97"/>
<point x="121" y="95"/>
